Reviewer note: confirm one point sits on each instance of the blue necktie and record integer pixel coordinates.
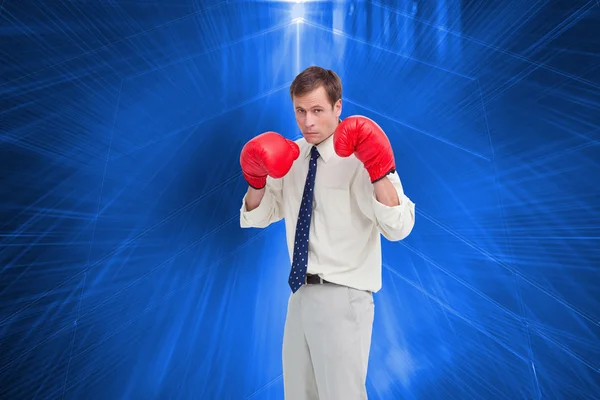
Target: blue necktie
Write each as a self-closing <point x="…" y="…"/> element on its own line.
<point x="300" y="258"/>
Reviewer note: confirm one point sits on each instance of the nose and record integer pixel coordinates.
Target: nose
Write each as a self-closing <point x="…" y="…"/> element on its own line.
<point x="308" y="121"/>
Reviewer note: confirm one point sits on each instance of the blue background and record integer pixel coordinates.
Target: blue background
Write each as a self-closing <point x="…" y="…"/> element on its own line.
<point x="125" y="274"/>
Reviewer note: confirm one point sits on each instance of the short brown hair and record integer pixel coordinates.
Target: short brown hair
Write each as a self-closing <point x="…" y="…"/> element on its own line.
<point x="313" y="77"/>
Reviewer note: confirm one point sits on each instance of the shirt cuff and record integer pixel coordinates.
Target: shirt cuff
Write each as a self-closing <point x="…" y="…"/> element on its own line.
<point x="389" y="213"/>
<point x="259" y="215"/>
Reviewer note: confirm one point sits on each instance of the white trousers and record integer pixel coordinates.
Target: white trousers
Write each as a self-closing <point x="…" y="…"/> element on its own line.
<point x="326" y="343"/>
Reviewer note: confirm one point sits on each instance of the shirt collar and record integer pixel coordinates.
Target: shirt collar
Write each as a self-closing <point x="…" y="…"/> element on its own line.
<point x="325" y="149"/>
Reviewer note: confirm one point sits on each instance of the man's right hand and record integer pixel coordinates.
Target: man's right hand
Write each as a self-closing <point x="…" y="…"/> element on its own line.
<point x="268" y="154"/>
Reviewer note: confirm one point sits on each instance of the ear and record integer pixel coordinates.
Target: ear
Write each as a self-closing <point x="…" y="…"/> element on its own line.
<point x="338" y="108"/>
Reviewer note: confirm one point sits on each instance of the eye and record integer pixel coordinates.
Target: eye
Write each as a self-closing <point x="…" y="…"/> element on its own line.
<point x="318" y="111"/>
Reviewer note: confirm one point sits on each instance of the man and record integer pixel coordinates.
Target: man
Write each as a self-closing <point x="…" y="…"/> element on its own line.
<point x="338" y="191"/>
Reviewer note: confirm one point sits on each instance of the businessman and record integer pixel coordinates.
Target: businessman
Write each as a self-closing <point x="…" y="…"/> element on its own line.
<point x="338" y="192"/>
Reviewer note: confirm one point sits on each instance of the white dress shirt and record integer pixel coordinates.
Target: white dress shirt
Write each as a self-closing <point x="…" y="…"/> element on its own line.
<point x="347" y="220"/>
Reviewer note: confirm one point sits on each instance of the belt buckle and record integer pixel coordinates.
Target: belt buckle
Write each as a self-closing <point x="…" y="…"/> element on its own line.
<point x="306" y="279"/>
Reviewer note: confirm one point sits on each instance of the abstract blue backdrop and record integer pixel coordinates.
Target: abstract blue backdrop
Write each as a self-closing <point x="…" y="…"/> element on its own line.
<point x="125" y="274"/>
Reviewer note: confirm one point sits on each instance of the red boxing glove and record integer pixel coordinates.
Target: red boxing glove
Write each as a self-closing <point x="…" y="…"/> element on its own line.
<point x="268" y="154"/>
<point x="360" y="135"/>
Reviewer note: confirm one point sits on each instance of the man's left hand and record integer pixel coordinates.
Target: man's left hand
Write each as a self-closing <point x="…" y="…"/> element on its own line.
<point x="363" y="137"/>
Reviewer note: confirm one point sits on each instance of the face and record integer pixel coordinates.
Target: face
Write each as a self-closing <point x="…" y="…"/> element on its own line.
<point x="315" y="115"/>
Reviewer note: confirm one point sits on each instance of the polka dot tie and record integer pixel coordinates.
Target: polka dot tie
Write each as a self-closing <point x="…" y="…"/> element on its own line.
<point x="300" y="258"/>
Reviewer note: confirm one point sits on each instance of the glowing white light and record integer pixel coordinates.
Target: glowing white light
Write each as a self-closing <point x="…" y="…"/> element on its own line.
<point x="298" y="10"/>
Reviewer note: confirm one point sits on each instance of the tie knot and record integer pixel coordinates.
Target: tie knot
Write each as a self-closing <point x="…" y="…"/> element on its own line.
<point x="314" y="153"/>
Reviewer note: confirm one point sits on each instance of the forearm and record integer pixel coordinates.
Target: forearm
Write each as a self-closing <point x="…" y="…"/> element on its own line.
<point x="260" y="208"/>
<point x="254" y="198"/>
<point x="394" y="212"/>
<point x="386" y="193"/>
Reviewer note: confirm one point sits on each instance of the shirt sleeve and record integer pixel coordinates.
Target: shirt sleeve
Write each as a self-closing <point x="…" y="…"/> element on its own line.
<point x="395" y="223"/>
<point x="269" y="210"/>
